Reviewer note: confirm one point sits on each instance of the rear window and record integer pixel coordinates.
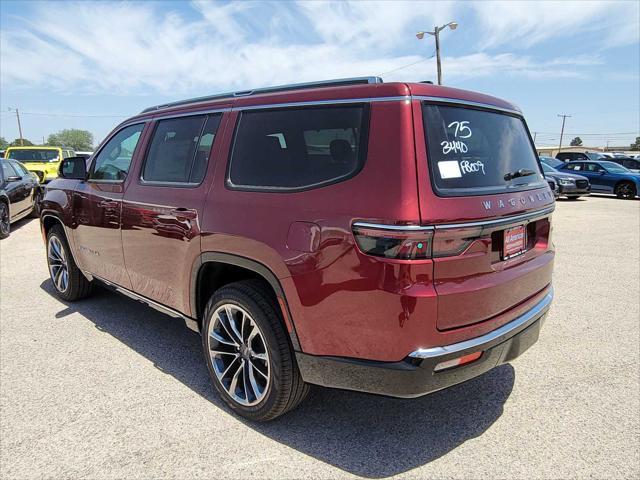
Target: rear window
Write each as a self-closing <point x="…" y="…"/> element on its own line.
<point x="298" y="148"/>
<point x="473" y="152"/>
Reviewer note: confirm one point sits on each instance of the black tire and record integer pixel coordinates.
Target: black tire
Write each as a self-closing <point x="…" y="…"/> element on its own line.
<point x="35" y="213"/>
<point x="5" y="220"/>
<point x="77" y="286"/>
<point x="626" y="190"/>
<point x="285" y="389"/>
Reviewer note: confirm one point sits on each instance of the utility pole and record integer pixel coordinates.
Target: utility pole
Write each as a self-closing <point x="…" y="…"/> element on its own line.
<point x="535" y="134"/>
<point x="19" y="127"/>
<point x="564" y="117"/>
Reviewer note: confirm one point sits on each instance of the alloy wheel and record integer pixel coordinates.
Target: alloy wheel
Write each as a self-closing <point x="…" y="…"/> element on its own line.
<point x="626" y="190"/>
<point x="238" y="354"/>
<point x="5" y="226"/>
<point x="58" y="264"/>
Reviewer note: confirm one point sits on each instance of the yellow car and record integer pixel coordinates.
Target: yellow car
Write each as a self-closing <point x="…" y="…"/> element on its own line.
<point x="43" y="161"/>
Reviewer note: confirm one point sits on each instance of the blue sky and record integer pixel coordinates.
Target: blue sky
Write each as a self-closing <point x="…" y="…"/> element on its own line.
<point x="91" y="64"/>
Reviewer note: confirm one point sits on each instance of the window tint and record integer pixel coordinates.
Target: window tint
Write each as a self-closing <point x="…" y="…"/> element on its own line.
<point x="593" y="167"/>
<point x="180" y="148"/>
<point x="21" y="170"/>
<point x="298" y="148"/>
<point x="573" y="166"/>
<point x="34" y="155"/>
<point x="114" y="160"/>
<point x="8" y="170"/>
<point x="476" y="151"/>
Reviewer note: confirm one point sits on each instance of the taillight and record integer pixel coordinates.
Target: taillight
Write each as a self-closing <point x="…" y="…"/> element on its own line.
<point x="449" y="242"/>
<point x="403" y="243"/>
<point x="413" y="242"/>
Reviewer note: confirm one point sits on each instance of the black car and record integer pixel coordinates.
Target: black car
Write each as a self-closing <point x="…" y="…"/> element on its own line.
<point x="573" y="156"/>
<point x="19" y="190"/>
<point x="569" y="185"/>
<point x="632" y="164"/>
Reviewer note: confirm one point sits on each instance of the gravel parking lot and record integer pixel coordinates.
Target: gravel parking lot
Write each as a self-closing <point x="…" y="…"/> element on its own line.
<point x="108" y="388"/>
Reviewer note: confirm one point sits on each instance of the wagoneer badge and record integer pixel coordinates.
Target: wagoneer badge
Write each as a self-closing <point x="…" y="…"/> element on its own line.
<point x="488" y="204"/>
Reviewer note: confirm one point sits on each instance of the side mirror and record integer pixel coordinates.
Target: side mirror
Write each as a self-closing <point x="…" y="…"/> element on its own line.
<point x="601" y="172"/>
<point x="73" y="168"/>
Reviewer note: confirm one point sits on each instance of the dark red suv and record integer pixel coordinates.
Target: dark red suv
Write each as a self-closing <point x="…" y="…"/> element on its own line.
<point x="386" y="238"/>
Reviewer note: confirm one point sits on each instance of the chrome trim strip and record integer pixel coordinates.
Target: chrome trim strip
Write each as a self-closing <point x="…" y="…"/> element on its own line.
<point x="192" y="114"/>
<point x="268" y="106"/>
<point x="395" y="228"/>
<point x="466" y="102"/>
<point x="500" y="221"/>
<point x="479" y="342"/>
<point x="189" y="322"/>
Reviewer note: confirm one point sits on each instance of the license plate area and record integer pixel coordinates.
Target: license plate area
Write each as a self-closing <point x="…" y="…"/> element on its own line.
<point x="514" y="242"/>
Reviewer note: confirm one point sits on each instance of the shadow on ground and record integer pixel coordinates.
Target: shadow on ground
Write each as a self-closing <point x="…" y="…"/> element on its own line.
<point x="362" y="434"/>
<point x="21" y="223"/>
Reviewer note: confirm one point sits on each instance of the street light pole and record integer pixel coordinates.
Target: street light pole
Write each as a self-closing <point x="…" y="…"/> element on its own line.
<point x="564" y="117"/>
<point x="439" y="65"/>
<point x="436" y="34"/>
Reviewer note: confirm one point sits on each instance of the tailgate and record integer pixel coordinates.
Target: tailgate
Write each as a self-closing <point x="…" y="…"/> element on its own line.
<point x="482" y="188"/>
<point x="481" y="283"/>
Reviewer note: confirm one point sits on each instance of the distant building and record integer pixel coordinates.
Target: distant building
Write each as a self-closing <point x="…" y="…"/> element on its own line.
<point x="553" y="151"/>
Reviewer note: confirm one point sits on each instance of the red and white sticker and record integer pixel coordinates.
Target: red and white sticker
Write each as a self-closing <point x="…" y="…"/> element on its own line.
<point x="515" y="241"/>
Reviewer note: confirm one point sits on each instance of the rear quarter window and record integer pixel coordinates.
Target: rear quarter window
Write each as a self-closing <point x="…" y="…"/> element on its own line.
<point x="473" y="151"/>
<point x="298" y="148"/>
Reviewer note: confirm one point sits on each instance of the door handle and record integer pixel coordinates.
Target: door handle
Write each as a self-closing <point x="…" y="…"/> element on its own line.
<point x="182" y="213"/>
<point x="108" y="204"/>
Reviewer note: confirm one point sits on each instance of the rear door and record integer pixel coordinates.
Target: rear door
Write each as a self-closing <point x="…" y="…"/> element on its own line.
<point x="482" y="189"/>
<point x="163" y="208"/>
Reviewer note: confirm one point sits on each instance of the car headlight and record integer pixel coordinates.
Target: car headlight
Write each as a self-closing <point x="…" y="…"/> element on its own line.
<point x="566" y="181"/>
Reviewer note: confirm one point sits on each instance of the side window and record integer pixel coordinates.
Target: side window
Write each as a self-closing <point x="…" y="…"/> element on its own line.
<point x="298" y="148"/>
<point x="8" y="170"/>
<point x="180" y="149"/>
<point x="21" y="170"/>
<point x="593" y="167"/>
<point x="114" y="160"/>
<point x="575" y="166"/>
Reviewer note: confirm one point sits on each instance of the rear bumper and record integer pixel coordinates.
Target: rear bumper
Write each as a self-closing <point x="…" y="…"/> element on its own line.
<point x="415" y="376"/>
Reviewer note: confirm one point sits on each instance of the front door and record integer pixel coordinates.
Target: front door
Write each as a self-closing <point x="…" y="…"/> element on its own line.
<point x="597" y="177"/>
<point x="163" y="206"/>
<point x="16" y="189"/>
<point x="98" y="207"/>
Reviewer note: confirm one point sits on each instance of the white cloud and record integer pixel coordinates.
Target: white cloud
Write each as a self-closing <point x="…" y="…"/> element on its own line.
<point x="532" y="22"/>
<point x="144" y="47"/>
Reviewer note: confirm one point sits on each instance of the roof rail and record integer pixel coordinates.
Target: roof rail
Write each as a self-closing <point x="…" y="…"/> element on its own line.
<point x="280" y="88"/>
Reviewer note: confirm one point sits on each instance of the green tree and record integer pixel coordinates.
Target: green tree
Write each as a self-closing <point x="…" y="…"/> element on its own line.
<point x="576" y="142"/>
<point x="17" y="143"/>
<point x="636" y="144"/>
<point x="72" y="138"/>
<point x="3" y="143"/>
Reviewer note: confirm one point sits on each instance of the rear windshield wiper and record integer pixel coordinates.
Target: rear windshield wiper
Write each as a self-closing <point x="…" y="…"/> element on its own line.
<point x="523" y="172"/>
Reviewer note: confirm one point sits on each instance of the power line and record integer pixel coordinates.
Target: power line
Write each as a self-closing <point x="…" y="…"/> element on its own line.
<point x="408" y="65"/>
<point x="73" y="115"/>
<point x="591" y="134"/>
